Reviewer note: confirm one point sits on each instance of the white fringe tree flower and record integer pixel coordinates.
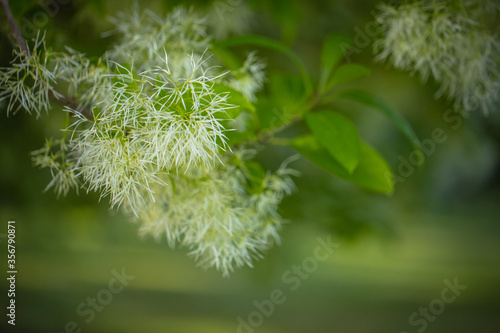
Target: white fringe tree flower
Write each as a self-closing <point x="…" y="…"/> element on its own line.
<point x="62" y="166"/>
<point x="226" y="216"/>
<point x="150" y="133"/>
<point x="144" y="36"/>
<point x="169" y="134"/>
<point x="445" y="40"/>
<point x="249" y="79"/>
<point x="28" y="83"/>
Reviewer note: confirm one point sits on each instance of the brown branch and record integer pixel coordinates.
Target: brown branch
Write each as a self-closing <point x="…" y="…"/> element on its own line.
<point x="71" y="103"/>
<point x="14" y="27"/>
<point x="64" y="100"/>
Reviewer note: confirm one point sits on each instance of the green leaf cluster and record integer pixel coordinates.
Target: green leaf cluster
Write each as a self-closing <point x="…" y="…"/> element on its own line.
<point x="332" y="141"/>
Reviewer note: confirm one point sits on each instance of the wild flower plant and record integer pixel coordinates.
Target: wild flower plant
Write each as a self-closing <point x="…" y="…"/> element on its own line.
<point x="168" y="133"/>
<point x="155" y="142"/>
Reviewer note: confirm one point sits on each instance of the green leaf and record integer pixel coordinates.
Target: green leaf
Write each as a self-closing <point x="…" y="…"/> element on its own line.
<point x="287" y="96"/>
<point x="273" y="45"/>
<point x="287" y="91"/>
<point x="288" y="15"/>
<point x="373" y="101"/>
<point x="372" y="172"/>
<point x="334" y="48"/>
<point x="235" y="98"/>
<point x="269" y="115"/>
<point x="338" y="135"/>
<point x="347" y="73"/>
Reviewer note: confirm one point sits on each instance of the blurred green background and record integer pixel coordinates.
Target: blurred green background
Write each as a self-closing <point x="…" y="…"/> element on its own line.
<point x="395" y="252"/>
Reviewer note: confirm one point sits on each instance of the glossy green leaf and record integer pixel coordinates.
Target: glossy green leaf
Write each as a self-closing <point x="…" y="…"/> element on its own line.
<point x="338" y="135"/>
<point x="333" y="51"/>
<point x="372" y="172"/>
<point x="373" y="101"/>
<point x="347" y="73"/>
<point x="286" y="98"/>
<point x="287" y="91"/>
<point x="287" y="14"/>
<point x="334" y="48"/>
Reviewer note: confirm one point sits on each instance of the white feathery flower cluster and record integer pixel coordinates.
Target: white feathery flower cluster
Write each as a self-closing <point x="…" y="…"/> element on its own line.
<point x="476" y="82"/>
<point x="226" y="216"/>
<point x="144" y="36"/>
<point x="249" y="79"/>
<point x="61" y="164"/>
<point x="151" y="123"/>
<point x="225" y="19"/>
<point x="437" y="40"/>
<point x="28" y="83"/>
<point x="156" y="144"/>
<point x="191" y="110"/>
<point x="112" y="163"/>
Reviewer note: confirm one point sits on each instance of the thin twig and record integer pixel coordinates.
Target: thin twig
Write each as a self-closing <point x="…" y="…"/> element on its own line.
<point x="55" y="96"/>
<point x="72" y="104"/>
<point x="14" y="27"/>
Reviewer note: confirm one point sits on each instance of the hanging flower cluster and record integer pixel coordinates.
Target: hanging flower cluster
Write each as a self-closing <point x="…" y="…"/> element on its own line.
<point x="156" y="146"/>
